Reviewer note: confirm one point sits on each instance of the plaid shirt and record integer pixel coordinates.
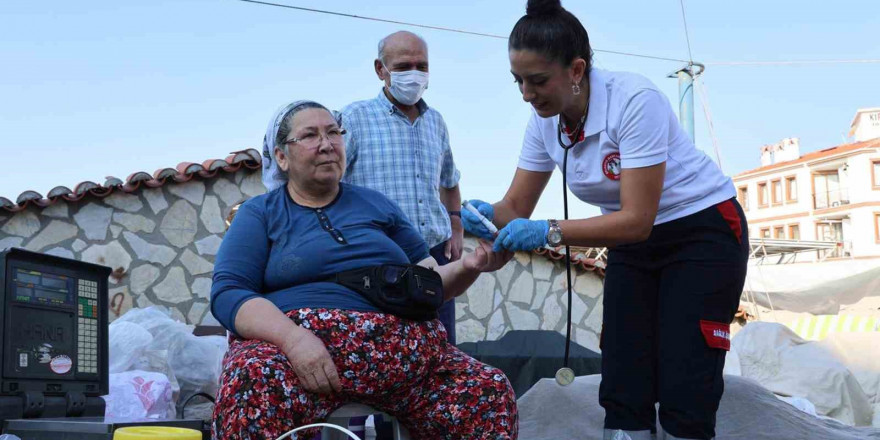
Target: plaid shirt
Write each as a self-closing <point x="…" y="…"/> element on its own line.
<point x="408" y="162"/>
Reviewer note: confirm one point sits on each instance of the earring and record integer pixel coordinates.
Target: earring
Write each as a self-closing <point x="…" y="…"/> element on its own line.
<point x="575" y="89"/>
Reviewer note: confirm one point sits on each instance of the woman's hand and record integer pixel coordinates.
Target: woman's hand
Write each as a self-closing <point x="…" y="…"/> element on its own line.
<point x="484" y="259"/>
<point x="473" y="224"/>
<point x="522" y="235"/>
<point x="312" y="363"/>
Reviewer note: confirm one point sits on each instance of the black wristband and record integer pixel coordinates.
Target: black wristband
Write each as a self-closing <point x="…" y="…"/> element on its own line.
<point x="455" y="214"/>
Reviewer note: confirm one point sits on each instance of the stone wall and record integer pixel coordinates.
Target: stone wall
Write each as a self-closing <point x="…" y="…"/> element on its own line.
<point x="160" y="242"/>
<point x="530" y="293"/>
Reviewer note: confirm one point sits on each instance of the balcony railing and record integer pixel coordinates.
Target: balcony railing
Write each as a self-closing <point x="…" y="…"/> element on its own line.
<point x="831" y="199"/>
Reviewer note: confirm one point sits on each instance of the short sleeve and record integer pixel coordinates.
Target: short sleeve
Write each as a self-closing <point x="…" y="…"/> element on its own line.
<point x="534" y="156"/>
<point x="644" y="130"/>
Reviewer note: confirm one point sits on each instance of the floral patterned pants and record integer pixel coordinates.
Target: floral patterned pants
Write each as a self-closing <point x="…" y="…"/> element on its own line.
<point x="401" y="367"/>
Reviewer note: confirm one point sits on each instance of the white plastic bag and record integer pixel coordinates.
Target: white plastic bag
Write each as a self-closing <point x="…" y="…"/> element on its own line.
<point x="150" y="340"/>
<point x="127" y="344"/>
<point x="800" y="403"/>
<point x="196" y="362"/>
<point x="139" y="394"/>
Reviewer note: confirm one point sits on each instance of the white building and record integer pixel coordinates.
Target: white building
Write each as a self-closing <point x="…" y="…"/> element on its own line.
<point x="827" y="195"/>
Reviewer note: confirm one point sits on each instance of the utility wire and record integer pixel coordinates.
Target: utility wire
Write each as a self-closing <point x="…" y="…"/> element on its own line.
<point x="445" y="29"/>
<point x="686" y="35"/>
<point x="319" y="11"/>
<point x="613" y="52"/>
<point x="791" y="63"/>
<point x="704" y="99"/>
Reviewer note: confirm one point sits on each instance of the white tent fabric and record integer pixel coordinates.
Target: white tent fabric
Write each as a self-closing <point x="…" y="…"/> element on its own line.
<point x="748" y="412"/>
<point x="840" y="375"/>
<point x="817" y="288"/>
<point x="860" y="352"/>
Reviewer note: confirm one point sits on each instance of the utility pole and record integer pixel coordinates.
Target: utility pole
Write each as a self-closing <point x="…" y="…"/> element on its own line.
<point x="686" y="77"/>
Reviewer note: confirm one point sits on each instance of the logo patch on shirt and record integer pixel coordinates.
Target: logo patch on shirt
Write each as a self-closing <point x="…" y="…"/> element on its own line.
<point x="611" y="166"/>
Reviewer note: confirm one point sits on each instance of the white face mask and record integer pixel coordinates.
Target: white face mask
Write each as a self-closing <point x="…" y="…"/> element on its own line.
<point x="407" y="87"/>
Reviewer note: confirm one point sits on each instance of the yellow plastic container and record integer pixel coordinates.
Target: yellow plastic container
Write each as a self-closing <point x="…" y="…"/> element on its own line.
<point x="156" y="433"/>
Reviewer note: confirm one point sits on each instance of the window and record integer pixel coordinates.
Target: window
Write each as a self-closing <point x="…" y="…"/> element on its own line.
<point x="794" y="232"/>
<point x="765" y="232"/>
<point x="763" y="198"/>
<point x="875" y="173"/>
<point x="831" y="230"/>
<point x="776" y="187"/>
<point x="877" y="227"/>
<point x="778" y="232"/>
<point x="791" y="189"/>
<point x="827" y="192"/>
<point x="743" y="196"/>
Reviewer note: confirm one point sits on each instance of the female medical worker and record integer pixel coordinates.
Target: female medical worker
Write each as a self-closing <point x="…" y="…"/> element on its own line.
<point x="678" y="237"/>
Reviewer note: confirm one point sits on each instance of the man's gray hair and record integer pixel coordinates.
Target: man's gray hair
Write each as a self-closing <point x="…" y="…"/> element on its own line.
<point x="385" y="40"/>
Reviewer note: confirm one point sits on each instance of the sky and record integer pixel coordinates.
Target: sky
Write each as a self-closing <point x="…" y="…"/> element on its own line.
<point x="90" y="89"/>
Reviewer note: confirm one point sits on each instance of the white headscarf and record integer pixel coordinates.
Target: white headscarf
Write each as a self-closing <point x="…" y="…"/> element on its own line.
<point x="273" y="177"/>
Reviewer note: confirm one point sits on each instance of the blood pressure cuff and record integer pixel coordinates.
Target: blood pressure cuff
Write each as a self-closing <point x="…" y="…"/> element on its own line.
<point x="406" y="290"/>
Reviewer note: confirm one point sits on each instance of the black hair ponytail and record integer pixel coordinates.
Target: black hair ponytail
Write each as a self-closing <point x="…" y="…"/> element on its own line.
<point x="549" y="29"/>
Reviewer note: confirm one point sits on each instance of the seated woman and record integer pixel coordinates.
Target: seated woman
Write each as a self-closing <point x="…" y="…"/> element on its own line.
<point x="305" y="345"/>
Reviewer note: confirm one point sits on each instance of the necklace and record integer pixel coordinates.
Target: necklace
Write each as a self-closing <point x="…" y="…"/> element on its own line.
<point x="577" y="131"/>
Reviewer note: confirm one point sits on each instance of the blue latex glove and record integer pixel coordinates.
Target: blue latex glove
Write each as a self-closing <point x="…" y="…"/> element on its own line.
<point x="522" y="235"/>
<point x="473" y="225"/>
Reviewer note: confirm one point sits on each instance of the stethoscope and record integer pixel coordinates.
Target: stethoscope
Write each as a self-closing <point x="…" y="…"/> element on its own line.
<point x="565" y="375"/>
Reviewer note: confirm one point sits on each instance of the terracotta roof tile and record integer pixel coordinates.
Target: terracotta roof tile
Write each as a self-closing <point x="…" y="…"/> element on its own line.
<point x="187" y="168"/>
<point x="138" y="177"/>
<point x="113" y="182"/>
<point x="164" y="173"/>
<point x="81" y="188"/>
<point x="58" y="191"/>
<point x="184" y="172"/>
<point x="580" y="257"/>
<point x="214" y="164"/>
<point x="28" y="196"/>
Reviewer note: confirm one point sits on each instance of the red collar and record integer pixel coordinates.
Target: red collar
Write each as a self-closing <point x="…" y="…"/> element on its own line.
<point x="571" y="135"/>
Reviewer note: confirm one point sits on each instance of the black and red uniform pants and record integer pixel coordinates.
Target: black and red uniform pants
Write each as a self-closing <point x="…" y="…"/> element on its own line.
<point x="668" y="303"/>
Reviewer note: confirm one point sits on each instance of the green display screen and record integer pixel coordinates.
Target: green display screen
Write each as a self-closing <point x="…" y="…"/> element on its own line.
<point x="42" y="287"/>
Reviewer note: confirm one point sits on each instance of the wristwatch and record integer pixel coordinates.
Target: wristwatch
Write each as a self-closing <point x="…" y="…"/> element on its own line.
<point x="454" y="214"/>
<point x="554" y="234"/>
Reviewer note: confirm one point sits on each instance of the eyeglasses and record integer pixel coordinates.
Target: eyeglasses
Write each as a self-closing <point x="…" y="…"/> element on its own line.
<point x="313" y="140"/>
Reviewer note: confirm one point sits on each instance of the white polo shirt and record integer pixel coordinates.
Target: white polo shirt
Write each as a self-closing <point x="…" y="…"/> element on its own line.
<point x="630" y="125"/>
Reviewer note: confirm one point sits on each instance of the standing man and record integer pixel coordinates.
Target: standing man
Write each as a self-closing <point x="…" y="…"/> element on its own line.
<point x="399" y="146"/>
